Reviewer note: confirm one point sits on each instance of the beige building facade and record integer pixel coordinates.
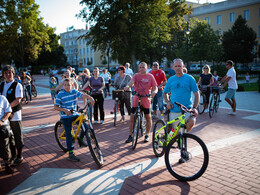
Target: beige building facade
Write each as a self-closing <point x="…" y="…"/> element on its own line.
<point x="221" y="16"/>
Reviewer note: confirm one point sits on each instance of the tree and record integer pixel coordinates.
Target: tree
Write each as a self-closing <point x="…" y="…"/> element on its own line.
<point x="204" y="42"/>
<point x="239" y="41"/>
<point x="135" y="29"/>
<point x="22" y="31"/>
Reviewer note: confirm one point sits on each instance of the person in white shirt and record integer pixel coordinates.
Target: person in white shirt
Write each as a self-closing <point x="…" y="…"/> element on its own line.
<point x="55" y="74"/>
<point x="230" y="79"/>
<point x="128" y="70"/>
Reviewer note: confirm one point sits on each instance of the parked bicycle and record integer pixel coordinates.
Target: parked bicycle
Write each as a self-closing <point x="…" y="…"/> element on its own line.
<point x="139" y="121"/>
<point x="186" y="155"/>
<point x="77" y="125"/>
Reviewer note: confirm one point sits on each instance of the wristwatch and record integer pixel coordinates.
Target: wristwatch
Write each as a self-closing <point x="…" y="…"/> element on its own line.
<point x="3" y="120"/>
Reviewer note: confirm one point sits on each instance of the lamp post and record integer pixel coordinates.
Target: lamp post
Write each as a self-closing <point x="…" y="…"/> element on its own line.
<point x="188" y="45"/>
<point x="108" y="50"/>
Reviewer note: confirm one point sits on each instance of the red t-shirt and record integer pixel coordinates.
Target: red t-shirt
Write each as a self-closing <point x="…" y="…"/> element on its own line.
<point x="159" y="76"/>
<point x="143" y="85"/>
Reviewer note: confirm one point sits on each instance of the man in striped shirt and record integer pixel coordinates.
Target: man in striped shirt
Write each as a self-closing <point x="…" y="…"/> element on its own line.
<point x="65" y="102"/>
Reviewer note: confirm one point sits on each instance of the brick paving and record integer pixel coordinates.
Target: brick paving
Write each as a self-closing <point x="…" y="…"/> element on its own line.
<point x="232" y="170"/>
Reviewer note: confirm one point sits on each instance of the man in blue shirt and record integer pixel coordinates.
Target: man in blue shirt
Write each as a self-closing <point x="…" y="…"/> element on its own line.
<point x="180" y="86"/>
<point x="65" y="102"/>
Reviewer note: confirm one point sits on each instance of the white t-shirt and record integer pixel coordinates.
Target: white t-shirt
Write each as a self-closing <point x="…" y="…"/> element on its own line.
<point x="4" y="108"/>
<point x="54" y="72"/>
<point x="232" y="83"/>
<point x="18" y="93"/>
<point x="129" y="71"/>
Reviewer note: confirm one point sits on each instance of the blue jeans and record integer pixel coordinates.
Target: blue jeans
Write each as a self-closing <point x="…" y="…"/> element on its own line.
<point x="28" y="87"/>
<point x="67" y="123"/>
<point x="158" y="99"/>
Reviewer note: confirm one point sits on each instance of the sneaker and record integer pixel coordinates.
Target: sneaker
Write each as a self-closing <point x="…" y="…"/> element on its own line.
<point x="82" y="143"/>
<point x="73" y="158"/>
<point x="17" y="161"/>
<point x="232" y="113"/>
<point x="129" y="139"/>
<point x="146" y="138"/>
<point x="95" y="122"/>
<point x="206" y="110"/>
<point x="101" y="122"/>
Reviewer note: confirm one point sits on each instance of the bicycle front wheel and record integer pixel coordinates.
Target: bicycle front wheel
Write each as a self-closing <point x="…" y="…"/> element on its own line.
<point x="217" y="100"/>
<point x="60" y="136"/>
<point x="212" y="106"/>
<point x="186" y="157"/>
<point x="136" y="126"/>
<point x="143" y="124"/>
<point x="94" y="147"/>
<point x="159" y="137"/>
<point x="202" y="103"/>
<point x="34" y="91"/>
<point x="115" y="113"/>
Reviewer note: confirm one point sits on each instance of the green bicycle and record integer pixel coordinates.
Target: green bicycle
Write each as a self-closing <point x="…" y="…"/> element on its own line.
<point x="186" y="155"/>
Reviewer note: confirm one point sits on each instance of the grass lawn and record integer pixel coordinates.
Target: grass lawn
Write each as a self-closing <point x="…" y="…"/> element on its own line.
<point x="252" y="87"/>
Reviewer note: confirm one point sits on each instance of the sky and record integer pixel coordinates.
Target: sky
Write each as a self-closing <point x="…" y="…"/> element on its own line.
<point x="61" y="13"/>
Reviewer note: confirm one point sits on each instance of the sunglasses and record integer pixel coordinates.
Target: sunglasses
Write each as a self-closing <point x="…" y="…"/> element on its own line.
<point x="205" y="68"/>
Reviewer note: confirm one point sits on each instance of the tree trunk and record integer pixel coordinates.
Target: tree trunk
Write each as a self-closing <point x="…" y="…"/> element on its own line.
<point x="133" y="58"/>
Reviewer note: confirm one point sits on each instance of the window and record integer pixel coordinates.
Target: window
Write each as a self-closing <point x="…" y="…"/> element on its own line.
<point x="219" y="19"/>
<point x="232" y="17"/>
<point x="246" y="14"/>
<point x="207" y="20"/>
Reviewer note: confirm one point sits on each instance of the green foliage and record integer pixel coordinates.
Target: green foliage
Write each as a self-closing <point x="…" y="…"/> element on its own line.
<point x="221" y="69"/>
<point x="136" y="29"/>
<point x="239" y="41"/>
<point x="204" y="42"/>
<point x="252" y="87"/>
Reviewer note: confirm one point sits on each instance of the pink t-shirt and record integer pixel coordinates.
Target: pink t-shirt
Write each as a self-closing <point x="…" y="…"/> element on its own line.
<point x="143" y="85"/>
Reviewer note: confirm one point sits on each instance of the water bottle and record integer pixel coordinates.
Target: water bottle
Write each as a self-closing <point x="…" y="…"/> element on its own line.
<point x="171" y="132"/>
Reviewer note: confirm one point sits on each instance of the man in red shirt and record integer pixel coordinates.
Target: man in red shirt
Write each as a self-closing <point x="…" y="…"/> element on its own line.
<point x="160" y="78"/>
<point x="144" y="83"/>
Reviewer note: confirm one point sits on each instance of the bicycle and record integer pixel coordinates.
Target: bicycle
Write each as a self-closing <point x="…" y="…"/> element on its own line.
<point x="89" y="132"/>
<point x="33" y="89"/>
<point x="139" y="121"/>
<point x="214" y="101"/>
<point x="116" y="95"/>
<point x="186" y="155"/>
<point x="202" y="103"/>
<point x="25" y="95"/>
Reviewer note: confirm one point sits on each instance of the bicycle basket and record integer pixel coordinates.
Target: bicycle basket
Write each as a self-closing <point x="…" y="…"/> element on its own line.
<point x="117" y="94"/>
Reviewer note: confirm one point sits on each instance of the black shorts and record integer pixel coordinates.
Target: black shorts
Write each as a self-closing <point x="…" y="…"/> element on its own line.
<point x="145" y="110"/>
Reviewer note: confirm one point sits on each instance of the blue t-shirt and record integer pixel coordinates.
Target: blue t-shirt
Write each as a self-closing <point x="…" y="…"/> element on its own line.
<point x="181" y="88"/>
<point x="67" y="100"/>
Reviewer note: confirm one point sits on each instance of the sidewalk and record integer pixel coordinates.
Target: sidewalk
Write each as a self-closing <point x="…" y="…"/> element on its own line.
<point x="233" y="143"/>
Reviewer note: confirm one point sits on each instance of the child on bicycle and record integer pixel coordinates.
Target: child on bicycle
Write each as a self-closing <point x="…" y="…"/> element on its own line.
<point x="66" y="101"/>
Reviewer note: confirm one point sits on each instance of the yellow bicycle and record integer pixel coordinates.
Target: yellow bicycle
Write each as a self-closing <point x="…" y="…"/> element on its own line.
<point x="186" y="155"/>
<point x="77" y="125"/>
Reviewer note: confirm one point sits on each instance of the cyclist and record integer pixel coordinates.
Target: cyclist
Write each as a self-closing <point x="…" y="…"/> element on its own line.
<point x="120" y="82"/>
<point x="206" y="79"/>
<point x="160" y="78"/>
<point x="180" y="86"/>
<point x="144" y="82"/>
<point x="65" y="102"/>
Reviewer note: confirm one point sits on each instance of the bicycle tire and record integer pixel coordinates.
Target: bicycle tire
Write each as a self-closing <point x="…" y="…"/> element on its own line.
<point x="115" y="113"/>
<point x="212" y="106"/>
<point x="60" y="136"/>
<point x="142" y="124"/>
<point x="159" y="139"/>
<point x="94" y="147"/>
<point x="189" y="167"/>
<point x="136" y="126"/>
<point x="34" y="91"/>
<point x="90" y="113"/>
<point x="217" y="102"/>
<point x="202" y="103"/>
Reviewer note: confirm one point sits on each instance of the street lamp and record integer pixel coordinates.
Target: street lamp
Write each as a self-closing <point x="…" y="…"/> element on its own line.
<point x="188" y="45"/>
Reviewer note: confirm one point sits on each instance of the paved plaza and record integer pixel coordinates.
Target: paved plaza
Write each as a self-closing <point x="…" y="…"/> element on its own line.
<point x="233" y="143"/>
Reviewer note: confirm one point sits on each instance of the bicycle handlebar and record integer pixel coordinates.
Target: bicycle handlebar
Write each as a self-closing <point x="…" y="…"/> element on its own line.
<point x="184" y="108"/>
<point x="147" y="95"/>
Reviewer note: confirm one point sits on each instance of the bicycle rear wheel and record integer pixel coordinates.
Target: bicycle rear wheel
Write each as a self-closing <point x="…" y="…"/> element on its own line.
<point x="159" y="138"/>
<point x="136" y="126"/>
<point x="115" y="113"/>
<point x="94" y="147"/>
<point x="34" y="91"/>
<point x="186" y="157"/>
<point x="202" y="103"/>
<point x="212" y="106"/>
<point x="60" y="136"/>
